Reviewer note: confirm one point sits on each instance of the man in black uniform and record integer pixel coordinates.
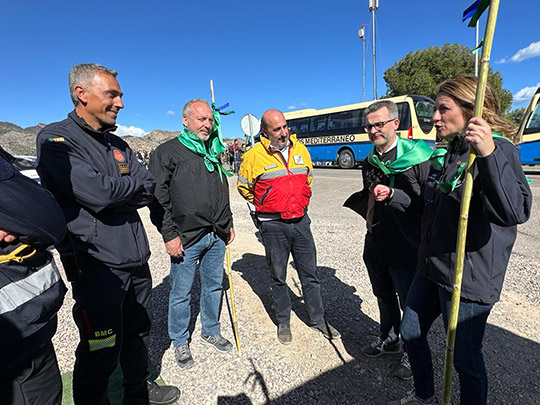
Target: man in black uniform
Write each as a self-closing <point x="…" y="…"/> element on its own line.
<point x="393" y="175"/>
<point x="99" y="185"/>
<point x="31" y="290"/>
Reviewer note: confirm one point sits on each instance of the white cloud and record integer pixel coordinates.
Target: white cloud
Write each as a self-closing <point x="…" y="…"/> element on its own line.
<point x="123" y="130"/>
<point x="291" y="107"/>
<point x="170" y="112"/>
<point x="524" y="95"/>
<point x="528" y="52"/>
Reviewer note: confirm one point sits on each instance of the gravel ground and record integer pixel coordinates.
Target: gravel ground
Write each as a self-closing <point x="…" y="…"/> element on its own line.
<point x="313" y="370"/>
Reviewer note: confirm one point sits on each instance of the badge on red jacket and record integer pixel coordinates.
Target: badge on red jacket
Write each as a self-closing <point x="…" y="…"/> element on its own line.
<point x="298" y="160"/>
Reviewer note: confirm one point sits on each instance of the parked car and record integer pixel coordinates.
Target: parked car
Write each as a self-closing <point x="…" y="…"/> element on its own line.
<point x="27" y="166"/>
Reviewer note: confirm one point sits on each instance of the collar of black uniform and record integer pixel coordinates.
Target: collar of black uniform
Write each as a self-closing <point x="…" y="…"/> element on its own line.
<point x="82" y="123"/>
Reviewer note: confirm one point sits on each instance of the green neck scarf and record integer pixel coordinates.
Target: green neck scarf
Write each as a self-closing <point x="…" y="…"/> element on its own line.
<point x="437" y="161"/>
<point x="408" y="154"/>
<point x="209" y="149"/>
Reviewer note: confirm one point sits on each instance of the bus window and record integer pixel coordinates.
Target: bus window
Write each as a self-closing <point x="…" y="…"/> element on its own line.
<point x="404" y="114"/>
<point x="318" y="123"/>
<point x="298" y="126"/>
<point x="425" y="108"/>
<point x="344" y="120"/>
<point x="533" y="124"/>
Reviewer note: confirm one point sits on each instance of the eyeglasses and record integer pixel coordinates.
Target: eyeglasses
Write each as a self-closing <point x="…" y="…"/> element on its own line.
<point x="378" y="125"/>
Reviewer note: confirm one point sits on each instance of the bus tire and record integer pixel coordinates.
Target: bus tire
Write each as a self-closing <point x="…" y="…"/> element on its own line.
<point x="346" y="159"/>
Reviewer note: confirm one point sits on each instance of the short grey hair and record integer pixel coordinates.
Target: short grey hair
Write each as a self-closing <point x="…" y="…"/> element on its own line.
<point x="83" y="75"/>
<point x="377" y="105"/>
<point x="187" y="107"/>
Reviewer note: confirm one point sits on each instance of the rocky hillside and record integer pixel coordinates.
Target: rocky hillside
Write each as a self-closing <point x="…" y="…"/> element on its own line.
<point x="22" y="141"/>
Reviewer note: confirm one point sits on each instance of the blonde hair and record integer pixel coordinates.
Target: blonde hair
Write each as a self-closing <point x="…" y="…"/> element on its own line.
<point x="462" y="90"/>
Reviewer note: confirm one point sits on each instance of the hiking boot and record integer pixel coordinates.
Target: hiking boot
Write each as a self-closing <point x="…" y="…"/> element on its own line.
<point x="284" y="334"/>
<point x="183" y="357"/>
<point x="412" y="399"/>
<point x="404" y="371"/>
<point x="162" y="394"/>
<point x="327" y="330"/>
<point x="379" y="346"/>
<point x="218" y="341"/>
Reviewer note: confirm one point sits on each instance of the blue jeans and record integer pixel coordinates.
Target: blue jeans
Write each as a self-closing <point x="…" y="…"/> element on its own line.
<point x="385" y="282"/>
<point x="425" y="302"/>
<point x="282" y="238"/>
<point x="208" y="252"/>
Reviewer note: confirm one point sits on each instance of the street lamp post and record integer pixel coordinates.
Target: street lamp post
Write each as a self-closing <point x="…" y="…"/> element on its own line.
<point x="361" y="35"/>
<point x="373" y="5"/>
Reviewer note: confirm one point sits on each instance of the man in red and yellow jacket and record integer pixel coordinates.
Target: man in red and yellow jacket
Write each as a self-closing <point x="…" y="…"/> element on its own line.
<point x="276" y="176"/>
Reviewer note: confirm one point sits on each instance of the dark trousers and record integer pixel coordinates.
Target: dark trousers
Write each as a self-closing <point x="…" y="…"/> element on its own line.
<point x="35" y="382"/>
<point x="112" y="313"/>
<point x="426" y="301"/>
<point x="385" y="282"/>
<point x="280" y="239"/>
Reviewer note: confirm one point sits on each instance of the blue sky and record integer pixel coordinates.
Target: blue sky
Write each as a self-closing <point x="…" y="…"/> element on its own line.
<point x="280" y="54"/>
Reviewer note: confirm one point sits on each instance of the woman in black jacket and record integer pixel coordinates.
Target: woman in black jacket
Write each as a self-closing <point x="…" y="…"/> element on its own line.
<point x="501" y="199"/>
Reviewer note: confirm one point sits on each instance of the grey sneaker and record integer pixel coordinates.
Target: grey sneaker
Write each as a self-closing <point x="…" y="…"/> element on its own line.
<point x="284" y="334"/>
<point x="218" y="341"/>
<point x="404" y="371"/>
<point x="412" y="399"/>
<point x="327" y="330"/>
<point x="379" y="346"/>
<point x="183" y="357"/>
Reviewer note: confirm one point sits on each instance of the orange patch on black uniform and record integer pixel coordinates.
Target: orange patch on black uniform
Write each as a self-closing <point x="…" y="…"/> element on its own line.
<point x="118" y="155"/>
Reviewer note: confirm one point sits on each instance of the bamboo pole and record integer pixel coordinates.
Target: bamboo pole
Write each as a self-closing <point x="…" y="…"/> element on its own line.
<point x="465" y="203"/>
<point x="228" y="256"/>
<point x="233" y="307"/>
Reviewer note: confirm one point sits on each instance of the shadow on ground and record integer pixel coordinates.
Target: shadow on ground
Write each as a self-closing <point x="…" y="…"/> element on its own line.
<point x="511" y="360"/>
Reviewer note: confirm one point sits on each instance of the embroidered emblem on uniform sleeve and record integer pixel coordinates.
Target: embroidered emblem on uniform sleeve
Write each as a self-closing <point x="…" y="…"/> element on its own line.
<point x="59" y="139"/>
<point x="119" y="156"/>
<point x="124" y="168"/>
<point x="298" y="159"/>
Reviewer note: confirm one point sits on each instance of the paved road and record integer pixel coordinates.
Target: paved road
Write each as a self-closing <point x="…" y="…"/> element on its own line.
<point x="528" y="242"/>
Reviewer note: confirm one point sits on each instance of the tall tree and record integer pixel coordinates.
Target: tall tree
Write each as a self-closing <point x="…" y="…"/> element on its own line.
<point x="421" y="71"/>
<point x="515" y="116"/>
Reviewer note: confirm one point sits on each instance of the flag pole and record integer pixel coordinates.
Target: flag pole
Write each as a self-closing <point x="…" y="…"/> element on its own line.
<point x="465" y="203"/>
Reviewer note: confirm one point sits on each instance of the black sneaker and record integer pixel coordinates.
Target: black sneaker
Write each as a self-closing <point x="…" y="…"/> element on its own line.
<point x="412" y="399"/>
<point x="327" y="330"/>
<point x="379" y="346"/>
<point x="284" y="334"/>
<point x="404" y="370"/>
<point x="183" y="357"/>
<point x="162" y="394"/>
<point x="218" y="341"/>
